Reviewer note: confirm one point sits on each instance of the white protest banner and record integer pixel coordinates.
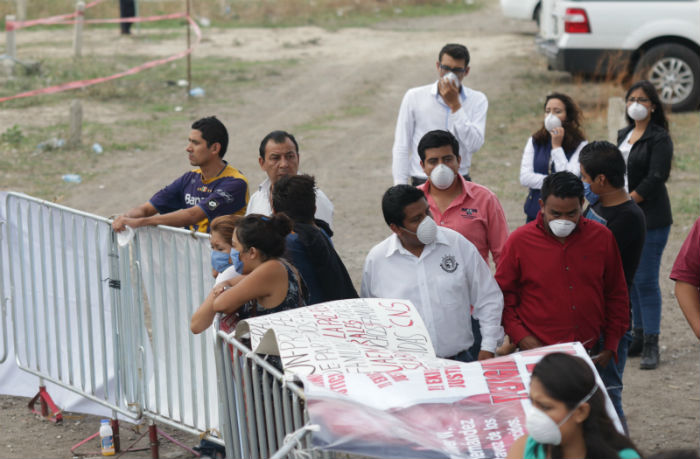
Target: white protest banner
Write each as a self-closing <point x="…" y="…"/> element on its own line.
<point x="465" y="410"/>
<point x="363" y="335"/>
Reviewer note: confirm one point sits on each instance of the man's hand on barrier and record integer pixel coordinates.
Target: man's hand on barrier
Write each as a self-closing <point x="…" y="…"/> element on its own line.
<point x="485" y="355"/>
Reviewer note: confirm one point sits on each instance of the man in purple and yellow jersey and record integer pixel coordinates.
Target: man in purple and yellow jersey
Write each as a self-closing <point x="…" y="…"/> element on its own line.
<point x="197" y="197"/>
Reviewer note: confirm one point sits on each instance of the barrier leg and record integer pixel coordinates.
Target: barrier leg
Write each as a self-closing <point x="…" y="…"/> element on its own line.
<point x="46" y="404"/>
<point x="153" y="436"/>
<point x="115" y="433"/>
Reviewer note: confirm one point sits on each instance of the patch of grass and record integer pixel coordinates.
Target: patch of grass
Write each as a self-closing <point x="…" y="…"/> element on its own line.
<point x="269" y="13"/>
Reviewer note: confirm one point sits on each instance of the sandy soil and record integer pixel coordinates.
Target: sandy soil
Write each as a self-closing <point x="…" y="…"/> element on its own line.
<point x="351" y="159"/>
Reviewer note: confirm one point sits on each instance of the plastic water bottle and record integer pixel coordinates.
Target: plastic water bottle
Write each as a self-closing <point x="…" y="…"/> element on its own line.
<point x="106" y="438"/>
<point x="72" y="178"/>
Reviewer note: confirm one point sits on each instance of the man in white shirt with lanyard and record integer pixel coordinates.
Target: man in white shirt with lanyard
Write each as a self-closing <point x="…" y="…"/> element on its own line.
<point x="439" y="271"/>
<point x="279" y="156"/>
<point x="446" y="104"/>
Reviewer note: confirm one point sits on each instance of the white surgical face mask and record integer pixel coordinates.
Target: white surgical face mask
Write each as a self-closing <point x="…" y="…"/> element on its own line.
<point x="637" y="111"/>
<point x="442" y="177"/>
<point x="551" y="121"/>
<point x="426" y="231"/>
<point x="543" y="429"/>
<point x="561" y="228"/>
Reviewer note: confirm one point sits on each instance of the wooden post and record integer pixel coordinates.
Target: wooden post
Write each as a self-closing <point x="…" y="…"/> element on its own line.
<point x="76" y="124"/>
<point x="10" y="43"/>
<point x="616" y="117"/>
<point x="21" y="10"/>
<point x="189" y="55"/>
<point x="78" y="35"/>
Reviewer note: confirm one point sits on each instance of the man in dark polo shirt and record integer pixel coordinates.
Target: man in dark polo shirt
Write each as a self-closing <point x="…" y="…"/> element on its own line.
<point x="215" y="188"/>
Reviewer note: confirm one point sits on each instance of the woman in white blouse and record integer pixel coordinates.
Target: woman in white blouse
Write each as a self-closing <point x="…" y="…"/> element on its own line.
<point x="553" y="148"/>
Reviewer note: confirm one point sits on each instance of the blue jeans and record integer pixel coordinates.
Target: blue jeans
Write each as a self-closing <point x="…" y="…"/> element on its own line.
<point x="476" y="347"/>
<point x="645" y="294"/>
<point x="612" y="376"/>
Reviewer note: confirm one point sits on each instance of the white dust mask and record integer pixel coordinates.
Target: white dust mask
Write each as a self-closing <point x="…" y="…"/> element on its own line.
<point x="551" y="122"/>
<point x="426" y="231"/>
<point x="637" y="111"/>
<point x="543" y="429"/>
<point x="561" y="227"/>
<point x="442" y="177"/>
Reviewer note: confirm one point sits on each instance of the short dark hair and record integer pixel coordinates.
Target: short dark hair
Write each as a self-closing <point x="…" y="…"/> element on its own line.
<point x="562" y="184"/>
<point x="455" y="51"/>
<point x="213" y="131"/>
<point x="437" y="139"/>
<point x="658" y="116"/>
<point x="267" y="234"/>
<point x="602" y="157"/>
<point x="394" y="201"/>
<point x="295" y="195"/>
<point x="277" y="137"/>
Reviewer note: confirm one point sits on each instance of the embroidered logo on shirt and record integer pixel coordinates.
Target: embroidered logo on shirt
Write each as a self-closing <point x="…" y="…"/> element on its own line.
<point x="226" y="195"/>
<point x="469" y="213"/>
<point x="449" y="264"/>
<point x="213" y="205"/>
<point x="204" y="189"/>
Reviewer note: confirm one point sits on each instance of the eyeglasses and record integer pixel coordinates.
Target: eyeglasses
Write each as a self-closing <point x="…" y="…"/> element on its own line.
<point x="641" y="100"/>
<point x="455" y="70"/>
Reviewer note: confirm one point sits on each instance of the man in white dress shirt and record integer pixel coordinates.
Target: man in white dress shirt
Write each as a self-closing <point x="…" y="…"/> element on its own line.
<point x="439" y="271"/>
<point x="446" y="104"/>
<point x="279" y="156"/>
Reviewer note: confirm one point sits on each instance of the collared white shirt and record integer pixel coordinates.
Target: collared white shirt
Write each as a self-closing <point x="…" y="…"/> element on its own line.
<point x="259" y="203"/>
<point x="423" y="110"/>
<point x="442" y="283"/>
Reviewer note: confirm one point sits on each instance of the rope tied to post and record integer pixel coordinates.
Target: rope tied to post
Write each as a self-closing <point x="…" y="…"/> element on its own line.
<point x="296" y="436"/>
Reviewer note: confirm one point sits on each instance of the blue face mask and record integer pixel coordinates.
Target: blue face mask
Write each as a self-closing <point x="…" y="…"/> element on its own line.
<point x="220" y="261"/>
<point x="236" y="257"/>
<point x="590" y="196"/>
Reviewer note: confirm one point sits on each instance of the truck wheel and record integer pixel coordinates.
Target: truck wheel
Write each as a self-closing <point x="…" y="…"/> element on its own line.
<point x="675" y="72"/>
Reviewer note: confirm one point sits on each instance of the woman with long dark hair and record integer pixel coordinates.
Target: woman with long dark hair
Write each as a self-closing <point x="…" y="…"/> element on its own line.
<point x="268" y="283"/>
<point x="568" y="417"/>
<point x="647" y="148"/>
<point x="552" y="148"/>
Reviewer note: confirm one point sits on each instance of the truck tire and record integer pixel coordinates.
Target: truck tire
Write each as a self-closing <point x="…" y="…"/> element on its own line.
<point x="675" y="72"/>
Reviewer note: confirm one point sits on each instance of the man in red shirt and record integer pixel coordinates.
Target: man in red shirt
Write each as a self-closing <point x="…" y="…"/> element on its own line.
<point x="686" y="273"/>
<point x="561" y="276"/>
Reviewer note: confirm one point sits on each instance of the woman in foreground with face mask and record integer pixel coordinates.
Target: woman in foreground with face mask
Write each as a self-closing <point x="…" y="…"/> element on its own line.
<point x="568" y="418"/>
<point x="647" y="148"/>
<point x="267" y="283"/>
<point x="553" y="148"/>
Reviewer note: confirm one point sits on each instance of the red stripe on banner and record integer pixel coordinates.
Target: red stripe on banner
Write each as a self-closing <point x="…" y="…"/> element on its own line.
<point x="132" y="71"/>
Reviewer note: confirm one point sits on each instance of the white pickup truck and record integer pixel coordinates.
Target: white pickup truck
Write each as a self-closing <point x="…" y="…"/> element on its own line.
<point x="658" y="40"/>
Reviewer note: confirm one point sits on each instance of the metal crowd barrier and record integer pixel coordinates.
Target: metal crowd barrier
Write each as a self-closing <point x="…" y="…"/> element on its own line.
<point x="259" y="406"/>
<point x="169" y="274"/>
<point x="111" y="324"/>
<point x="63" y="297"/>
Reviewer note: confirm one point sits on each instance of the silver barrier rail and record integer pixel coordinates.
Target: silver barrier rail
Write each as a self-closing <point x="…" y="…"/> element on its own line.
<point x="258" y="406"/>
<point x="3" y="296"/>
<point x="62" y="296"/>
<point x="167" y="275"/>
